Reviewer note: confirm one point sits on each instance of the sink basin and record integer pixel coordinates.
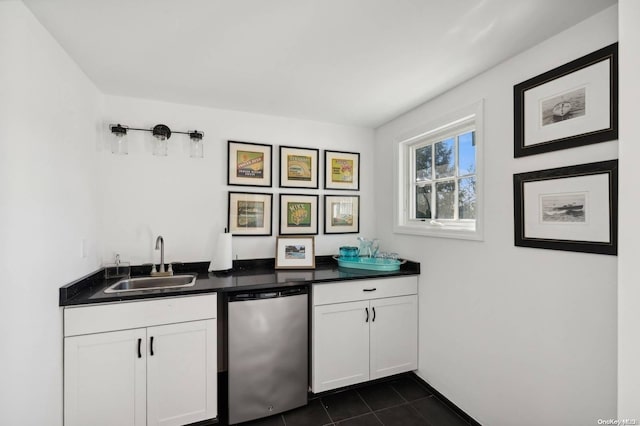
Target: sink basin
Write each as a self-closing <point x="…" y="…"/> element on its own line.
<point x="152" y="283"/>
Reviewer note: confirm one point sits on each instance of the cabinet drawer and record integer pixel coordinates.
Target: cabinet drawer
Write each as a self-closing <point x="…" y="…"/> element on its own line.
<point x="99" y="318"/>
<point x="349" y="291"/>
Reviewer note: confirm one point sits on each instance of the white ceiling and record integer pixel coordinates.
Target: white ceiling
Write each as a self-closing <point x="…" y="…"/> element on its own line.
<point x="358" y="62"/>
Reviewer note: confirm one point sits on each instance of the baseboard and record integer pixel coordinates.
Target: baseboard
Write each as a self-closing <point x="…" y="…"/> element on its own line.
<point x="313" y="396"/>
<point x="445" y="400"/>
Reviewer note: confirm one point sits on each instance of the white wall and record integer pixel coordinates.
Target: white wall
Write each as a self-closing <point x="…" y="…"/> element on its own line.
<point x="48" y="118"/>
<point x="512" y="335"/>
<point x="628" y="288"/>
<point x="185" y="199"/>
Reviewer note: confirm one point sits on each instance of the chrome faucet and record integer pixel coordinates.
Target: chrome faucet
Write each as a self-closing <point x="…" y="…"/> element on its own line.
<point x="160" y="246"/>
<point x="161" y="272"/>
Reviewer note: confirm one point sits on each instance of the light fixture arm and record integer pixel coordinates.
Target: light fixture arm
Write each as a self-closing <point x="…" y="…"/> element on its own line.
<point x="157" y="130"/>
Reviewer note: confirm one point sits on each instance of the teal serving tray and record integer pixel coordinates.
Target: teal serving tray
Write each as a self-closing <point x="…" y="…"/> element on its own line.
<point x="370" y="263"/>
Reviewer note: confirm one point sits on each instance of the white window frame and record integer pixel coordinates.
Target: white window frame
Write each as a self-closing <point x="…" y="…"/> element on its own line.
<point x="464" y="119"/>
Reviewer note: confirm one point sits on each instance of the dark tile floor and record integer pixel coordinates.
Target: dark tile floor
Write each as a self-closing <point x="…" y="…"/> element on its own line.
<point x="402" y="400"/>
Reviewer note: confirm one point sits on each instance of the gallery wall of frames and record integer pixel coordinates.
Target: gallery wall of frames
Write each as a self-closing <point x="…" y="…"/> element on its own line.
<point x="304" y="206"/>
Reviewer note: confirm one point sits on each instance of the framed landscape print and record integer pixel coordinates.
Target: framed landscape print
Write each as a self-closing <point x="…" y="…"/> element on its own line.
<point x="341" y="214"/>
<point x="248" y="164"/>
<point x="295" y="253"/>
<point x="298" y="167"/>
<point x="250" y="213"/>
<point x="573" y="105"/>
<point x="298" y="214"/>
<point x="569" y="208"/>
<point x="342" y="170"/>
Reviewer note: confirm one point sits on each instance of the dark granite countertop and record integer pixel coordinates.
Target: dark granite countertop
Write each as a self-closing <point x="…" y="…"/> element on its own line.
<point x="246" y="275"/>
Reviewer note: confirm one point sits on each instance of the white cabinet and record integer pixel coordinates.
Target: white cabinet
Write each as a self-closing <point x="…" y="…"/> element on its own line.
<point x="340" y="345"/>
<point x="104" y="379"/>
<point x="157" y="373"/>
<point x="179" y="373"/>
<point x="363" y="330"/>
<point x="393" y="336"/>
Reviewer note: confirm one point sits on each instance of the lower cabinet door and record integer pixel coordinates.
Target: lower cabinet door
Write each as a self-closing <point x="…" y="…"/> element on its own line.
<point x="394" y="335"/>
<point x="181" y="373"/>
<point x="104" y="379"/>
<point x="340" y="345"/>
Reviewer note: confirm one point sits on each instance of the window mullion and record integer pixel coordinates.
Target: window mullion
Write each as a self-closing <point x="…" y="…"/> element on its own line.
<point x="410" y="210"/>
<point x="433" y="206"/>
<point x="456" y="206"/>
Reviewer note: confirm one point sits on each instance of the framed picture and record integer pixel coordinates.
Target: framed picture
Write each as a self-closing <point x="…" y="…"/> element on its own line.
<point x="341" y="214"/>
<point x="298" y="214"/>
<point x="298" y="167"/>
<point x="295" y="253"/>
<point x="569" y="208"/>
<point x="342" y="170"/>
<point x="250" y="213"/>
<point x="573" y="105"/>
<point x="248" y="164"/>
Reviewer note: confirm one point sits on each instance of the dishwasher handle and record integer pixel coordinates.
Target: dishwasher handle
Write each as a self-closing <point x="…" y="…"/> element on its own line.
<point x="293" y="291"/>
<point x="267" y="294"/>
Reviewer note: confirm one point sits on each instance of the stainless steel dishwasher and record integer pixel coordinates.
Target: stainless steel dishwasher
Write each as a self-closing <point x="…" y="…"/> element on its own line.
<point x="267" y="348"/>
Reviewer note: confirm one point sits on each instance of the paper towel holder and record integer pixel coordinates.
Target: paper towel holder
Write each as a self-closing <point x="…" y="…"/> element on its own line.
<point x="222" y="261"/>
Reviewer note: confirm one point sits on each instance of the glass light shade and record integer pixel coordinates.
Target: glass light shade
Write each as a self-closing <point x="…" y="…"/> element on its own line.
<point x="196" y="148"/>
<point x="160" y="147"/>
<point x="119" y="144"/>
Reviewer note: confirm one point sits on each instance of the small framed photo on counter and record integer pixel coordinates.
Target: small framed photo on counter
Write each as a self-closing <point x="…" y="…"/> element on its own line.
<point x="295" y="252"/>
<point x="250" y="213"/>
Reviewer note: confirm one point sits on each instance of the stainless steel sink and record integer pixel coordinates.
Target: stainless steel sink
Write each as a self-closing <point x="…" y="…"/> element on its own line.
<point x="152" y="283"/>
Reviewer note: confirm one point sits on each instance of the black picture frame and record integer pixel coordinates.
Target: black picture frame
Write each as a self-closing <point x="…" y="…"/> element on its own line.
<point x="286" y="227"/>
<point x="593" y="209"/>
<point x="243" y="176"/>
<point x="238" y="227"/>
<point x="341" y="223"/>
<point x="304" y="174"/>
<point x="554" y="124"/>
<point x="342" y="181"/>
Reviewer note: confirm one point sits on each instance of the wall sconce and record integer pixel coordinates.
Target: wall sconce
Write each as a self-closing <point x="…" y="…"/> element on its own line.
<point x="196" y="146"/>
<point x="161" y="133"/>
<point x="119" y="144"/>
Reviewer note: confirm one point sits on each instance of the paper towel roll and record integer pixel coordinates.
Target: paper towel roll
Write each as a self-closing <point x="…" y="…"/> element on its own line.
<point x="223" y="256"/>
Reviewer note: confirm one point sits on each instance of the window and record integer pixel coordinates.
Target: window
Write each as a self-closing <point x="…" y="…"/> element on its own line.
<point x="439" y="178"/>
